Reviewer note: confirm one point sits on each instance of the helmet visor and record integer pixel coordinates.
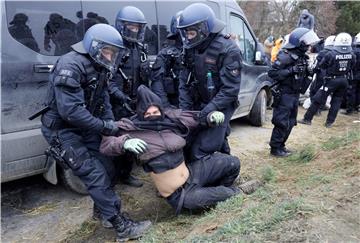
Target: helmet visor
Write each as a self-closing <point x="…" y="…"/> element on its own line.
<point x="194" y="34"/>
<point x="310" y="38"/>
<point x="132" y="31"/>
<point x="105" y="54"/>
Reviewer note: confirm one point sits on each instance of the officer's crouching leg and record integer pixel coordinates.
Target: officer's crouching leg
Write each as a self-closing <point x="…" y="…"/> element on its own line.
<point x="93" y="174"/>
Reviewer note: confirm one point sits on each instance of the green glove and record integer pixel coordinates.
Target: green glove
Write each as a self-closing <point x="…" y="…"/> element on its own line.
<point x="217" y="118"/>
<point x="135" y="145"/>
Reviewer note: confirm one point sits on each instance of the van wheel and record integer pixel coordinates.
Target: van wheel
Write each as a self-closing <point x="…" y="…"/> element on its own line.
<point x="72" y="182"/>
<point x="257" y="114"/>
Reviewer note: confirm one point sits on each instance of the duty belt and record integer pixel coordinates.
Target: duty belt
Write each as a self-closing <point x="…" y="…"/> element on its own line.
<point x="336" y="76"/>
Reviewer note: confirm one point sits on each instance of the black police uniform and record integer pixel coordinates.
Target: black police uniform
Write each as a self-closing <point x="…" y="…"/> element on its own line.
<point x="70" y="125"/>
<point x="353" y="92"/>
<point x="320" y="74"/>
<point x="290" y="71"/>
<point x="165" y="74"/>
<point x="210" y="81"/>
<point x="133" y="72"/>
<point x="337" y="66"/>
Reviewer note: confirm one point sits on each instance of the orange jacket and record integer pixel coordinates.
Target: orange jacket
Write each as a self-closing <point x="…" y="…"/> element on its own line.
<point x="276" y="48"/>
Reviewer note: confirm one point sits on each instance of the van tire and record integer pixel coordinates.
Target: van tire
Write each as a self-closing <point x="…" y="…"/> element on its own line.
<point x="72" y="182"/>
<point x="257" y="114"/>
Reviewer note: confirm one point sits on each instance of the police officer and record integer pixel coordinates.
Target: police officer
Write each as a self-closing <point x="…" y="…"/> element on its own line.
<point x="22" y="32"/>
<point x="291" y="74"/>
<point x="80" y="112"/>
<point x="337" y="63"/>
<point x="353" y="92"/>
<point x="211" y="78"/>
<point x="61" y="31"/>
<point x="166" y="69"/>
<point x="320" y="72"/>
<point x="134" y="70"/>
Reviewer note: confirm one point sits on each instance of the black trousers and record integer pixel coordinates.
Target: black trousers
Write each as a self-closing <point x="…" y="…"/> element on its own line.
<point x="284" y="119"/>
<point x="207" y="140"/>
<point x="353" y="95"/>
<point x="95" y="170"/>
<point x="210" y="182"/>
<point x="337" y="87"/>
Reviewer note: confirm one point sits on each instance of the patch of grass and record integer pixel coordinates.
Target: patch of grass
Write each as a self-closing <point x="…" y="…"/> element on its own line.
<point x="168" y="231"/>
<point x="86" y="229"/>
<point x="316" y="179"/>
<point x="264" y="216"/>
<point x="268" y="174"/>
<point x="337" y="142"/>
<point x="304" y="156"/>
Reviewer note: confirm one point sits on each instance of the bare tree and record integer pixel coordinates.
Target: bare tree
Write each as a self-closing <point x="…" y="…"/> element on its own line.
<point x="279" y="17"/>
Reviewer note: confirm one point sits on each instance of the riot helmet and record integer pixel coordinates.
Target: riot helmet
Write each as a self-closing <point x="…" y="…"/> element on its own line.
<point x="357" y="40"/>
<point x="329" y="42"/>
<point x="104" y="45"/>
<point x="173" y="25"/>
<point x="301" y="38"/>
<point x="196" y="23"/>
<point x="130" y="22"/>
<point x="342" y="43"/>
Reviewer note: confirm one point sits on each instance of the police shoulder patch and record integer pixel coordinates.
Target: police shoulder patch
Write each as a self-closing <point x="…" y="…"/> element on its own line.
<point x="65" y="72"/>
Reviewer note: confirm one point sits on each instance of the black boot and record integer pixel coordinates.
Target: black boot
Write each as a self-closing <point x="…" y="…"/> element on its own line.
<point x="278" y="152"/>
<point x="127" y="229"/>
<point x="97" y="216"/>
<point x="131" y="181"/>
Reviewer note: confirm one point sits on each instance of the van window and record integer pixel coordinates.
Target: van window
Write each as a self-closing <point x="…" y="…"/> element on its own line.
<point x="167" y="9"/>
<point x="237" y="31"/>
<point x="249" y="54"/>
<point x="109" y="10"/>
<point x="243" y="38"/>
<point x="45" y="27"/>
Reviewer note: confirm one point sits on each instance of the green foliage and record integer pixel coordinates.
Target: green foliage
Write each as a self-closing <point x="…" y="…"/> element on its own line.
<point x="268" y="174"/>
<point x="304" y="156"/>
<point x="264" y="216"/>
<point x="336" y="142"/>
<point x="349" y="17"/>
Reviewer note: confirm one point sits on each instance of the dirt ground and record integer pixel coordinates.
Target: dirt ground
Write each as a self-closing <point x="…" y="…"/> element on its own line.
<point x="330" y="185"/>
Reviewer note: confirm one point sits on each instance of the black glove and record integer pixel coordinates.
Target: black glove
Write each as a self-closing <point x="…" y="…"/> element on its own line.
<point x="145" y="70"/>
<point x="120" y="96"/>
<point x="110" y="128"/>
<point x="298" y="69"/>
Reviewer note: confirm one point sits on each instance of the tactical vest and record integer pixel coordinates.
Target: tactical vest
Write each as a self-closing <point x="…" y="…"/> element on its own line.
<point x="209" y="61"/>
<point x="131" y="69"/>
<point x="173" y="65"/>
<point x="356" y="70"/>
<point x="340" y="65"/>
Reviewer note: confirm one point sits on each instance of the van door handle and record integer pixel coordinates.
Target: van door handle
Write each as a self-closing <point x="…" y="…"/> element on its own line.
<point x="43" y="68"/>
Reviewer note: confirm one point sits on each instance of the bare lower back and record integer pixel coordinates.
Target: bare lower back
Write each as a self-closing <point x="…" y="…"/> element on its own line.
<point x="170" y="180"/>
